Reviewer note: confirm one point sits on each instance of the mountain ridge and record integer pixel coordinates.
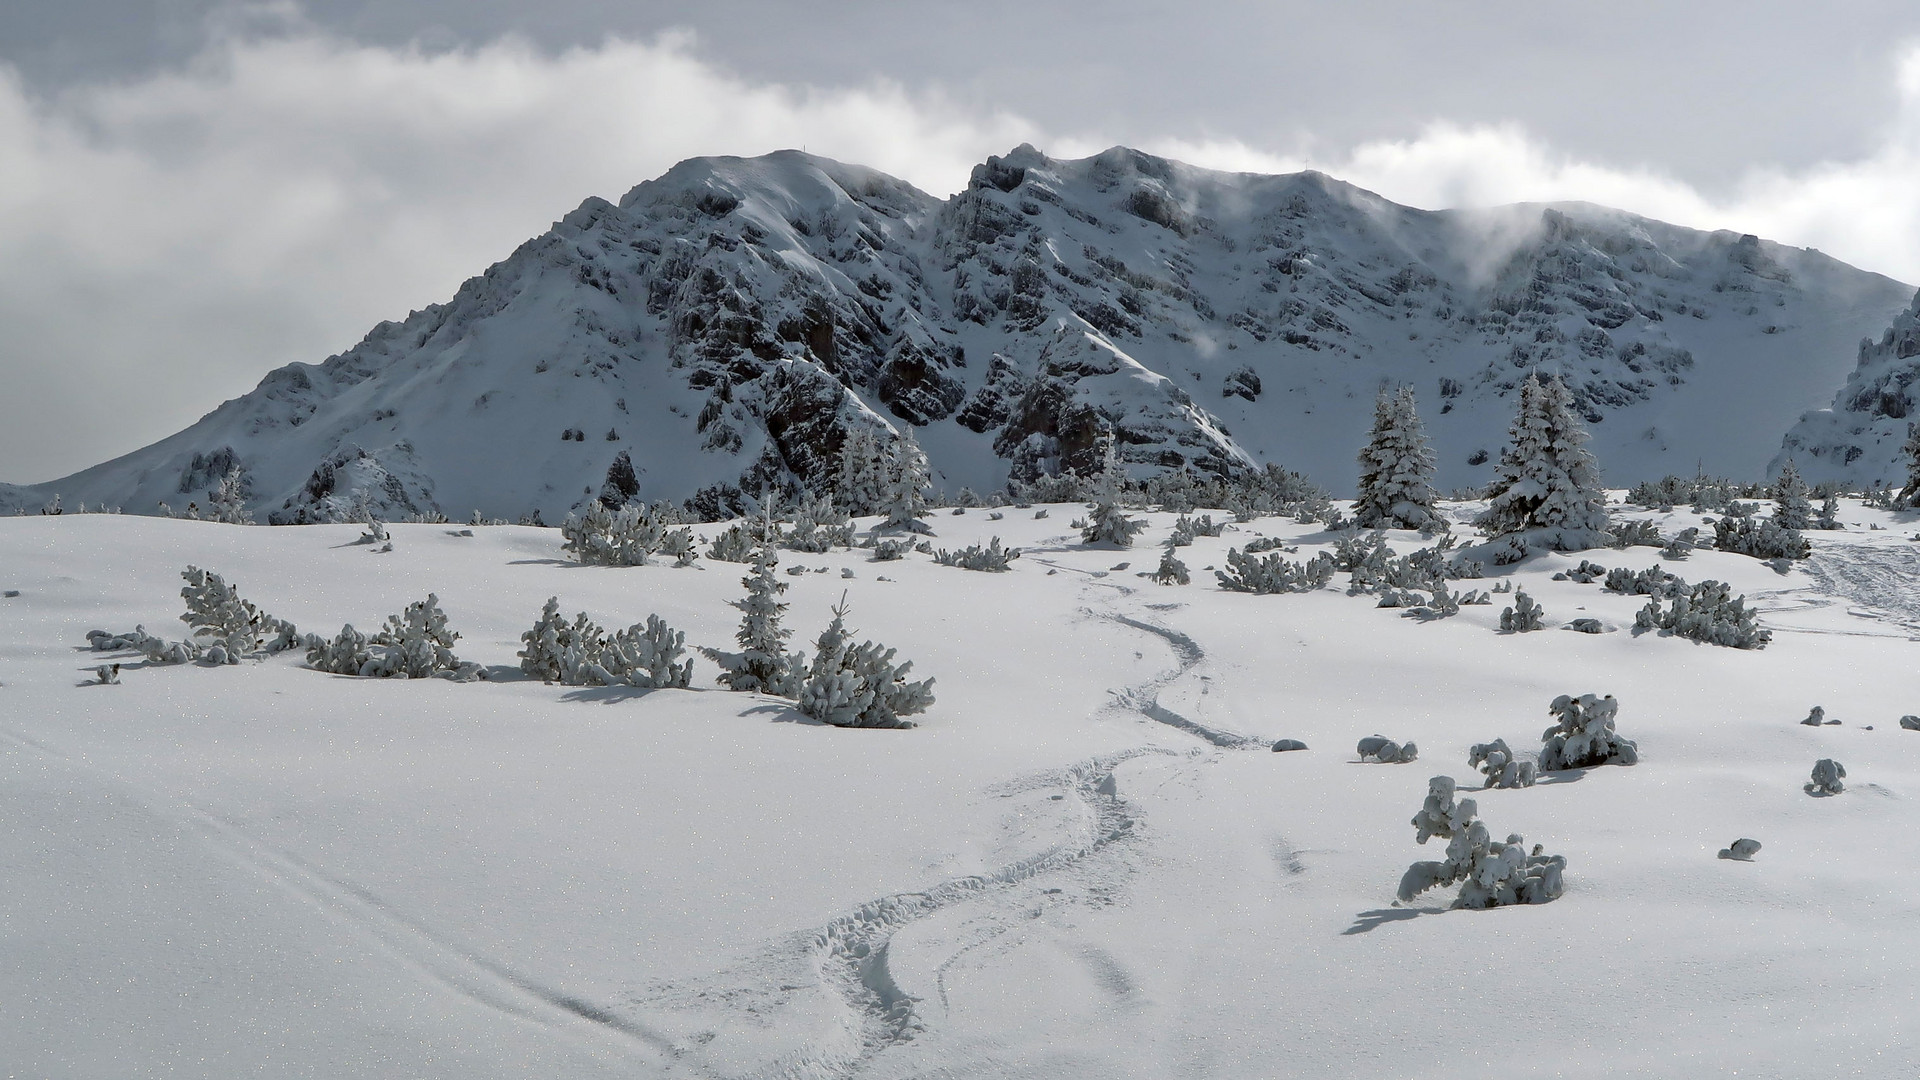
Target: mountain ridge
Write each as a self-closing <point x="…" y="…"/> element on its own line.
<point x="727" y="323"/>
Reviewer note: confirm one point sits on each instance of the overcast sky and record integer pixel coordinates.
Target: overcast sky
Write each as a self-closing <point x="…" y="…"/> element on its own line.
<point x="193" y="192"/>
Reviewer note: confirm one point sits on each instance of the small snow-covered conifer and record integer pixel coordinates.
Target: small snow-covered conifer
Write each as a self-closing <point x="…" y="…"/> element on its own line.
<point x="859" y="685"/>
<point x="1490" y="874"/>
<point x="762" y="665"/>
<point x="1396" y="469"/>
<point x="1523" y="616"/>
<point x="1107" y="524"/>
<point x="1827" y="778"/>
<point x="645" y="656"/>
<point x="1583" y="735"/>
<point x="1791" y="508"/>
<point x="556" y="650"/>
<point x="860" y="483"/>
<point x="1498" y="763"/>
<point x="1546" y="491"/>
<point x="228" y="502"/>
<point x="907" y="484"/>
<point x="418" y="643"/>
<point x="1171" y="570"/>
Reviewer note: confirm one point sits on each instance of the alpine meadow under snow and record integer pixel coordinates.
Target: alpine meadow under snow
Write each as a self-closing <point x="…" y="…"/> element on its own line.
<point x="946" y="660"/>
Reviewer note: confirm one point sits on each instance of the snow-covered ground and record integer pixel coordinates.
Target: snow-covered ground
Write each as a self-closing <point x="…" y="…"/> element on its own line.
<point x="1084" y="861"/>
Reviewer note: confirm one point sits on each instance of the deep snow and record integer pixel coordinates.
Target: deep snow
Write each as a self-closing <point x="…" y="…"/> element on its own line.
<point x="1083" y="863"/>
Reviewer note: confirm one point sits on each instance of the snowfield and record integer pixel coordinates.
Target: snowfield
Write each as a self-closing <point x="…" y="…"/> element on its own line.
<point x="1083" y="862"/>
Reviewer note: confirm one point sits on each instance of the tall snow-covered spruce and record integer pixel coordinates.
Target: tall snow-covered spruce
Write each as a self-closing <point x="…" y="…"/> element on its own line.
<point x="1396" y="469"/>
<point x="1546" y="492"/>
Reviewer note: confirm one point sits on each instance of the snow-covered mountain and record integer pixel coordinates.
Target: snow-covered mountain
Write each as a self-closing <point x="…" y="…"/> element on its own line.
<point x="1858" y="440"/>
<point x="726" y="324"/>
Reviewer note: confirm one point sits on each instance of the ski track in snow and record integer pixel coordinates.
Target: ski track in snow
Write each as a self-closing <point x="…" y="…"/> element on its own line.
<point x="1145" y="698"/>
<point x="430" y="955"/>
<point x="1883" y="581"/>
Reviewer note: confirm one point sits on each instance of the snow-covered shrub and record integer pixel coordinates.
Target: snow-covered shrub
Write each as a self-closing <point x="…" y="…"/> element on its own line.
<point x="907" y="484"/>
<point x="1396" y="469"/>
<point x="1910" y="722"/>
<point x="1391" y="597"/>
<point x="1490" y="874"/>
<point x="1707" y="612"/>
<point x="1586" y="626"/>
<point x="155" y="650"/>
<point x="819" y="525"/>
<point x="678" y="544"/>
<point x="623" y="537"/>
<point x="558" y="651"/>
<point x="1546" y="491"/>
<point x="1827" y="777"/>
<point x="861" y="685"/>
<point x="227" y="503"/>
<point x="992" y="558"/>
<point x="732" y="544"/>
<point x="418" y="642"/>
<point x="1635" y="534"/>
<point x="1268" y="543"/>
<point x="1791" y="508"/>
<point x="1350" y="553"/>
<point x="220" y="619"/>
<point x="1525" y="615"/>
<point x="1817" y="717"/>
<point x="1185" y="529"/>
<point x="1761" y="538"/>
<point x="1741" y="850"/>
<point x="346" y="654"/>
<point x="1110" y="526"/>
<point x="762" y="665"/>
<point x="1273" y="574"/>
<point x="891" y="550"/>
<point x="1586" y="573"/>
<point x="1171" y="570"/>
<point x="647" y="656"/>
<point x="1828" y="518"/>
<point x="1653" y="581"/>
<point x="1681" y="544"/>
<point x="107" y="674"/>
<point x="376" y="532"/>
<point x="1583" y="735"/>
<point x="1444" y="605"/>
<point x="1497" y="762"/>
<point x="1382" y="749"/>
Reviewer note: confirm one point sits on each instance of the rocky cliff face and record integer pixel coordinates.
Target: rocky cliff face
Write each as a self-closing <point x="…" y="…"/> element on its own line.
<point x="727" y="324"/>
<point x="1858" y="439"/>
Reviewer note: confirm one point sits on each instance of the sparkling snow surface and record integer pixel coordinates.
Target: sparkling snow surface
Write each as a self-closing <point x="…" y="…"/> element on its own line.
<point x="262" y="870"/>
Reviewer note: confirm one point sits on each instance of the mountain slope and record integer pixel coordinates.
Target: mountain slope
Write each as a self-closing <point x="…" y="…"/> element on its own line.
<point x="726" y="325"/>
<point x="1858" y="439"/>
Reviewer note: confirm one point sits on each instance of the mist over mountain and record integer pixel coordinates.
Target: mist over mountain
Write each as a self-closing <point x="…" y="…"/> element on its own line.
<point x="727" y="324"/>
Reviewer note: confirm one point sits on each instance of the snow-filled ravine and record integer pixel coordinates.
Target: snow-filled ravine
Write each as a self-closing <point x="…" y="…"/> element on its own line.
<point x="1084" y="861"/>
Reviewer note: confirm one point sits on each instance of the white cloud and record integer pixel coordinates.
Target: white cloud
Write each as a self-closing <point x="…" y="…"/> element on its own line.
<point x="164" y="242"/>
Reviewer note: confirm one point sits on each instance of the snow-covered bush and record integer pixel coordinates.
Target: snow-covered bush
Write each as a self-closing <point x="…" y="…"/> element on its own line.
<point x="1396" y="469"/>
<point x="647" y="656"/>
<point x="1706" y="612"/>
<point x="1635" y="534"/>
<point x="1171" y="570"/>
<point x="1653" y="581"/>
<point x="1681" y="545"/>
<point x="1586" y="573"/>
<point x="992" y="558"/>
<point x="1583" y="735"/>
<point x="762" y="665"/>
<point x="1761" y="538"/>
<point x="1273" y="574"/>
<point x="558" y="651"/>
<point x="155" y="650"/>
<point x="1827" y="778"/>
<point x="1382" y="749"/>
<point x="1108" y="525"/>
<point x="1490" y="874"/>
<point x="861" y="685"/>
<point x="227" y="503"/>
<point x="891" y="550"/>
<point x="623" y="537"/>
<point x="1910" y="722"/>
<point x="415" y="644"/>
<point x="1185" y="529"/>
<point x="1546" y="491"/>
<point x="1525" y="615"/>
<point x="819" y="525"/>
<point x="907" y="484"/>
<point x="1350" y="553"/>
<point x="1497" y="762"/>
<point x="1791" y="508"/>
<point x="733" y="544"/>
<point x="678" y="544"/>
<point x="1817" y="717"/>
<point x="225" y="626"/>
<point x="1741" y="850"/>
<point x="108" y="674"/>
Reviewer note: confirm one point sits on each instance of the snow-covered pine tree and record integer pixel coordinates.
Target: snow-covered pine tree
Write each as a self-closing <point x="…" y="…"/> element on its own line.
<point x="907" y="484"/>
<point x="1396" y="469"/>
<point x="418" y="643"/>
<point x="558" y="651"/>
<point x="228" y="502"/>
<point x="1546" y="491"/>
<point x="1108" y="524"/>
<point x="1490" y="874"/>
<point x="860" y="482"/>
<point x="859" y="685"/>
<point x="762" y="665"/>
<point x="1791" y="507"/>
